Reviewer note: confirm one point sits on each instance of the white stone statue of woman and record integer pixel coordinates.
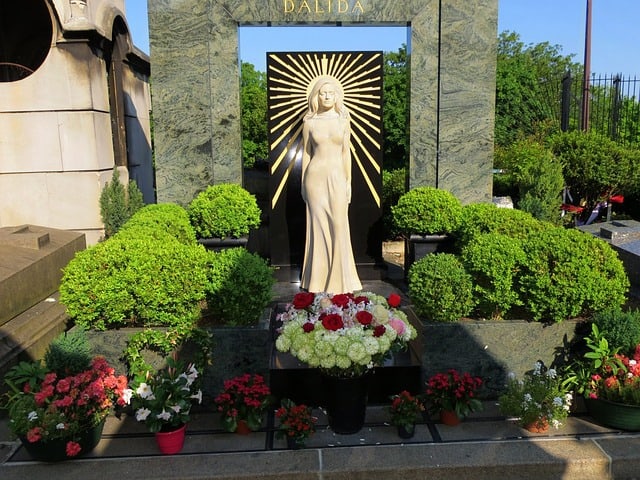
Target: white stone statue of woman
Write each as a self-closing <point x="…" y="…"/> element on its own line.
<point x="329" y="264"/>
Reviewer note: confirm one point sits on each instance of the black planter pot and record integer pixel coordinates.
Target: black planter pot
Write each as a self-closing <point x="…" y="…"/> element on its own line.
<point x="406" y="432"/>
<point x="418" y="246"/>
<point x="346" y="402"/>
<point x="217" y="244"/>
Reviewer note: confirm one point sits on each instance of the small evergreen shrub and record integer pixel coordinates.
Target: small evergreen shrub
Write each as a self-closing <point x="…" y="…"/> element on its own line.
<point x="135" y="280"/>
<point x="69" y="353"/>
<point x="493" y="260"/>
<point x="117" y="205"/>
<point x="440" y="288"/>
<point x="537" y="173"/>
<point x="568" y="273"/>
<point x="620" y="328"/>
<point x="479" y="218"/>
<point x="427" y="211"/>
<point x="240" y="284"/>
<point x="161" y="219"/>
<point x="224" y="210"/>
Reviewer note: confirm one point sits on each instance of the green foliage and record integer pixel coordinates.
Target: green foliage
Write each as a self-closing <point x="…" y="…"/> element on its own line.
<point x="621" y="328"/>
<point x="479" y="218"/>
<point x="117" y="205"/>
<point x="568" y="273"/>
<point x="159" y="220"/>
<point x="537" y="174"/>
<point x="440" y="288"/>
<point x="393" y="187"/>
<point x="427" y="211"/>
<point x="69" y="353"/>
<point x="527" y="86"/>
<point x="240" y="284"/>
<point x="253" y="100"/>
<point x="135" y="280"/>
<point x="594" y="167"/>
<point x="224" y="210"/>
<point x="493" y="260"/>
<point x="396" y="109"/>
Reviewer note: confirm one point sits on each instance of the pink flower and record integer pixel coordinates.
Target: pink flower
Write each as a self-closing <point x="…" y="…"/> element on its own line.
<point x="73" y="449"/>
<point x="398" y="325"/>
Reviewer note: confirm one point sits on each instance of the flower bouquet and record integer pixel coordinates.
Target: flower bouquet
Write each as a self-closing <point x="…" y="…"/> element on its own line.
<point x="343" y="334"/>
<point x="538" y="400"/>
<point x="453" y="392"/>
<point x="297" y="422"/>
<point x="50" y="409"/>
<point x="163" y="400"/>
<point x="405" y="411"/>
<point x="244" y="400"/>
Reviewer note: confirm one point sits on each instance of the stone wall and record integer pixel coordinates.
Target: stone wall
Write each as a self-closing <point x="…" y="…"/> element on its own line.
<point x="196" y="86"/>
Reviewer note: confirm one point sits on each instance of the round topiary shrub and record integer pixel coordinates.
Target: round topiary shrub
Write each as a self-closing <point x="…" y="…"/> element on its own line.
<point x="440" y="288"/>
<point x="135" y="280"/>
<point x="159" y="220"/>
<point x="493" y="260"/>
<point x="224" y="210"/>
<point x="240" y="284"/>
<point x="568" y="273"/>
<point x="480" y="218"/>
<point x="427" y="211"/>
<point x="620" y="328"/>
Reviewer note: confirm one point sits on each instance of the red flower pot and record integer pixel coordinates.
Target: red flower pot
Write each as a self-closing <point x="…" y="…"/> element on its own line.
<point x="171" y="442"/>
<point x="449" y="417"/>
<point x="243" y="428"/>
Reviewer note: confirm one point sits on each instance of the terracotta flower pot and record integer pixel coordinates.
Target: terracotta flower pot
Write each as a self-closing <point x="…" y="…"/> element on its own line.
<point x="243" y="428"/>
<point x="538" y="426"/>
<point x="449" y="417"/>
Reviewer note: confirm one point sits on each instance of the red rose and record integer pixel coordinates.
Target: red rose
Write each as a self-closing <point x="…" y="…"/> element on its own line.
<point x="361" y="299"/>
<point x="379" y="331"/>
<point x="332" y="321"/>
<point x="364" y="317"/>
<point x="341" y="300"/>
<point x="307" y="327"/>
<point x="394" y="300"/>
<point x="302" y="300"/>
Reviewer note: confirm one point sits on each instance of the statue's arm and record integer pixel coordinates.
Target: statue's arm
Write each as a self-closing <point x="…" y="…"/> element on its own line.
<point x="306" y="156"/>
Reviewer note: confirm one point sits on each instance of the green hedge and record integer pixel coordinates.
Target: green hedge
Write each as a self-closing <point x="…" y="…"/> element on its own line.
<point x="427" y="211"/>
<point x="162" y="219"/>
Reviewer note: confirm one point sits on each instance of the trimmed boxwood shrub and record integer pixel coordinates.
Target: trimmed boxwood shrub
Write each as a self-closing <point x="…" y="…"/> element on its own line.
<point x="569" y="273"/>
<point x="135" y="280"/>
<point x="161" y="219"/>
<point x="440" y="288"/>
<point x="479" y="218"/>
<point x="224" y="210"/>
<point x="493" y="260"/>
<point x="427" y="211"/>
<point x="620" y="328"/>
<point x="240" y="284"/>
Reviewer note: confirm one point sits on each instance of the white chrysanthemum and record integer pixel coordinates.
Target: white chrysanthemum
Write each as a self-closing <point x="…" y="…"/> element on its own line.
<point x="384" y="343"/>
<point x="328" y="362"/>
<point x="283" y="343"/>
<point x="357" y="353"/>
<point x="323" y="349"/>
<point x="342" y="361"/>
<point x="371" y="345"/>
<point x="304" y="353"/>
<point x="314" y="361"/>
<point x="341" y="345"/>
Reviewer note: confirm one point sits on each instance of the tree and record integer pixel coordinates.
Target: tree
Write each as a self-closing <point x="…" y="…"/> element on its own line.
<point x="395" y="111"/>
<point x="528" y="86"/>
<point x="253" y="99"/>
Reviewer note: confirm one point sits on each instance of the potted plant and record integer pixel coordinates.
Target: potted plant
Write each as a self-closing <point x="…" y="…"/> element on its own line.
<point x="426" y="216"/>
<point x="609" y="381"/>
<point x="163" y="401"/>
<point x="405" y="411"/>
<point x="223" y="215"/>
<point x="453" y="396"/>
<point x="538" y="401"/>
<point x="61" y="415"/>
<point x="297" y="423"/>
<point x="243" y="403"/>
<point x="344" y="336"/>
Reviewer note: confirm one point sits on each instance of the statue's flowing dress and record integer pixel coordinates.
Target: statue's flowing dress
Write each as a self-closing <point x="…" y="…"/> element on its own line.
<point x="329" y="264"/>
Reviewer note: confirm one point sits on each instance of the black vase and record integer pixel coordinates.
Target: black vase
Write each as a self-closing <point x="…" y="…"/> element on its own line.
<point x="346" y="402"/>
<point x="406" y="431"/>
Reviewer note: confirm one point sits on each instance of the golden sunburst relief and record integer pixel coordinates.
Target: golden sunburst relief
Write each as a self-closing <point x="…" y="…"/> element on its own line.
<point x="290" y="78"/>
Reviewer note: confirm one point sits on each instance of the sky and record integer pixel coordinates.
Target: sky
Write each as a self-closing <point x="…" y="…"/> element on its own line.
<point x="615" y="37"/>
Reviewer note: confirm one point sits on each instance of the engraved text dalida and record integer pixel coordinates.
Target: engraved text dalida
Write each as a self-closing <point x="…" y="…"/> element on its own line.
<point x="322" y="6"/>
